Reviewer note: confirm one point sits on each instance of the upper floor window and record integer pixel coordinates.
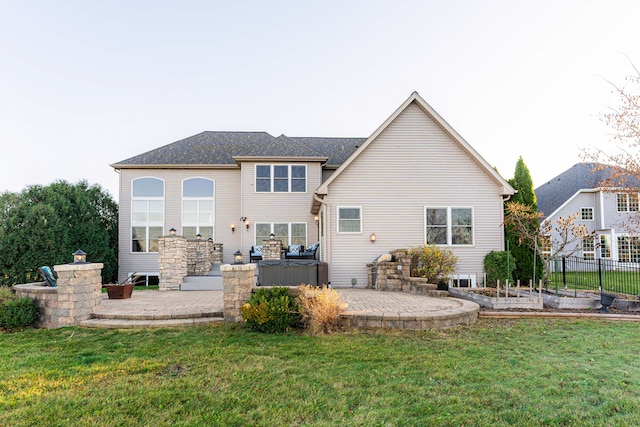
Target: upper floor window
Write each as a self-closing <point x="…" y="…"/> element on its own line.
<point x="349" y="220"/>
<point x="147" y="214"/>
<point x="627" y="202"/>
<point x="449" y="226"/>
<point x="198" y="208"/>
<point x="586" y="214"/>
<point x="281" y="178"/>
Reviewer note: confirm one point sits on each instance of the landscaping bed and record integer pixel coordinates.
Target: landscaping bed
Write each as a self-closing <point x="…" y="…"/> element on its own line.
<point x="499" y="299"/>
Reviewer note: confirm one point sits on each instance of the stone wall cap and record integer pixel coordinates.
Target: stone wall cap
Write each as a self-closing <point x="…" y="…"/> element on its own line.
<point x="238" y="267"/>
<point x="74" y="267"/>
<point x="36" y="287"/>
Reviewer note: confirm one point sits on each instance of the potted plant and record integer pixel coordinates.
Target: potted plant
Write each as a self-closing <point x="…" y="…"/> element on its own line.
<point x="121" y="290"/>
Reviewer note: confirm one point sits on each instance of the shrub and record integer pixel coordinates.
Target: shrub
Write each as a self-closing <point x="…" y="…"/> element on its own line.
<point x="271" y="310"/>
<point x="432" y="263"/>
<point x="6" y="294"/>
<point x="499" y="265"/>
<point x="18" y="313"/>
<point x="320" y="308"/>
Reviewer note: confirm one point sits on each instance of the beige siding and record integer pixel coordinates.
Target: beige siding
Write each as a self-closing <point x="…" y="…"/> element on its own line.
<point x="413" y="163"/>
<point x="277" y="207"/>
<point x="227" y="212"/>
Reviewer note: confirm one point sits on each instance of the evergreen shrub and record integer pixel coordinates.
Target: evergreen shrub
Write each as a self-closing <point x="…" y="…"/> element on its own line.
<point x="272" y="310"/>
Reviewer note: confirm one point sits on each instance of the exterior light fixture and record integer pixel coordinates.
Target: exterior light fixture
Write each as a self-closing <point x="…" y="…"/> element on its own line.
<point x="172" y="231"/>
<point x="373" y="237"/>
<point x="272" y="236"/>
<point x="354" y="281"/>
<point x="237" y="257"/>
<point x="79" y="257"/>
<point x="245" y="221"/>
<point x="233" y="228"/>
<point x="316" y="219"/>
<point x="198" y="236"/>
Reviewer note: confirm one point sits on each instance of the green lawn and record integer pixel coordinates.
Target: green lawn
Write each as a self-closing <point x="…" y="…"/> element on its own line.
<point x="625" y="282"/>
<point x="492" y="373"/>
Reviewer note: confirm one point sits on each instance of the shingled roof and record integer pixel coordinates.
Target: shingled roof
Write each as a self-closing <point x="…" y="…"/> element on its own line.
<point x="220" y="148"/>
<point x="552" y="194"/>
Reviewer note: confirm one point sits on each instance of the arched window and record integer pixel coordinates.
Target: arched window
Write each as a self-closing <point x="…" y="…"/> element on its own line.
<point x="147" y="214"/>
<point x="198" y="207"/>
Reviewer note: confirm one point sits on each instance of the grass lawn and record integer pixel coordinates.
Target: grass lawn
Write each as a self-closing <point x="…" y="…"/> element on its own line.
<point x="492" y="373"/>
<point x="625" y="282"/>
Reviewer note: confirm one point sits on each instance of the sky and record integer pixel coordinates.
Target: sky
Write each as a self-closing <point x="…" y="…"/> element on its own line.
<point x="85" y="84"/>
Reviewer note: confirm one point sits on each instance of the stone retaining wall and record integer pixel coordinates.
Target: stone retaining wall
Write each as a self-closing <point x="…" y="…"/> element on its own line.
<point x="78" y="292"/>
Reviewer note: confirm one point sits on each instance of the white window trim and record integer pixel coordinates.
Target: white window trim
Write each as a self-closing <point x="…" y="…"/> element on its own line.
<point x="592" y="252"/>
<point x="272" y="177"/>
<point x="338" y="219"/>
<point x="450" y="225"/>
<point x="213" y="199"/>
<point x="593" y="216"/>
<point x="627" y="204"/>
<point x="289" y="224"/>
<point x="148" y="224"/>
<point x="607" y="240"/>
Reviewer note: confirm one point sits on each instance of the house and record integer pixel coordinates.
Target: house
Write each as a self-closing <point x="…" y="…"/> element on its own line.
<point x="414" y="180"/>
<point x="607" y="210"/>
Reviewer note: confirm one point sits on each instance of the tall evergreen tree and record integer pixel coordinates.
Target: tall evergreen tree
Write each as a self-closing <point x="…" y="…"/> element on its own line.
<point x="524" y="256"/>
<point x="45" y="225"/>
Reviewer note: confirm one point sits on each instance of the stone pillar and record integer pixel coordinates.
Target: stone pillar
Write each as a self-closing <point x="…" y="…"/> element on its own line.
<point x="271" y="250"/>
<point x="237" y="283"/>
<point x="216" y="255"/>
<point x="79" y="292"/>
<point x="199" y="257"/>
<point x="172" y="259"/>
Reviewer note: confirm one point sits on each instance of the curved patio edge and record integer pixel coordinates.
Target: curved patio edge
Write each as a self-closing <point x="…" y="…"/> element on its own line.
<point x="407" y="311"/>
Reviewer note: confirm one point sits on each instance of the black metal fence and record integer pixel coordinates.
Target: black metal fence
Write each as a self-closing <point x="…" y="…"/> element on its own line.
<point x="576" y="273"/>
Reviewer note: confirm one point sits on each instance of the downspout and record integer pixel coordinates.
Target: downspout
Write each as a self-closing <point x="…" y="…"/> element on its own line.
<point x="327" y="220"/>
<point x="505" y="198"/>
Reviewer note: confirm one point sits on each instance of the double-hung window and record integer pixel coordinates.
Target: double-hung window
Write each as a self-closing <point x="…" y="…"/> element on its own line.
<point x="197" y="208"/>
<point x="588" y="248"/>
<point x="293" y="233"/>
<point x="605" y="247"/>
<point x="449" y="226"/>
<point x="628" y="249"/>
<point x="281" y="178"/>
<point x="349" y="219"/>
<point x="147" y="214"/>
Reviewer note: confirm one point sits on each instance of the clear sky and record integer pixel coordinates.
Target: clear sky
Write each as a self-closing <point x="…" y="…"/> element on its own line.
<point x="84" y="84"/>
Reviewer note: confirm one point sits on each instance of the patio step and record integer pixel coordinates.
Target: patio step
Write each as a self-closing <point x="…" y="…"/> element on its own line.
<point x="202" y="283"/>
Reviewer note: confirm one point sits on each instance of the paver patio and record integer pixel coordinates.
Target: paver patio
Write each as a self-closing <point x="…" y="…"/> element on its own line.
<point x="366" y="309"/>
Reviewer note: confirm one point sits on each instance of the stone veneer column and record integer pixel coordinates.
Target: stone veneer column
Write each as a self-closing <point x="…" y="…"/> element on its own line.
<point x="79" y="292"/>
<point x="172" y="259"/>
<point x="199" y="257"/>
<point x="216" y="255"/>
<point x="238" y="281"/>
<point x="271" y="250"/>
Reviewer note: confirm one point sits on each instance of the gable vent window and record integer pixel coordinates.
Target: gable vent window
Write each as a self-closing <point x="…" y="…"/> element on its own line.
<point x="586" y="214"/>
<point x="281" y="178"/>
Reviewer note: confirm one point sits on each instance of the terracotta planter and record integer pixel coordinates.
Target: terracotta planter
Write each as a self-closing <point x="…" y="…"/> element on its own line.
<point x="119" y="291"/>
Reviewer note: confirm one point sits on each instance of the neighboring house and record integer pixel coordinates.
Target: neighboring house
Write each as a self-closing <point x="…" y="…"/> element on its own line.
<point x="414" y="180"/>
<point x="609" y="213"/>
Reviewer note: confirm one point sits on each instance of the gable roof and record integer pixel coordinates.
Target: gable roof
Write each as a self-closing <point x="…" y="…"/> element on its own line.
<point x="222" y="149"/>
<point x="558" y="190"/>
<point x="506" y="189"/>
